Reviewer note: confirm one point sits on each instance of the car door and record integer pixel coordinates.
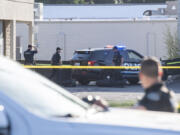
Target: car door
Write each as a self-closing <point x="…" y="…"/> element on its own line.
<point x="99" y="57"/>
<point x="134" y="59"/>
<point x="109" y="58"/>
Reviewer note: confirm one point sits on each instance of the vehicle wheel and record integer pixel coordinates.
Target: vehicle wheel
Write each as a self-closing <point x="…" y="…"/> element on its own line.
<point x="83" y="82"/>
<point x="133" y="81"/>
<point x="106" y="75"/>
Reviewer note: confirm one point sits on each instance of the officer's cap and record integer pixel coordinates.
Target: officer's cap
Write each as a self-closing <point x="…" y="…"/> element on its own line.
<point x="115" y="48"/>
<point x="29" y="46"/>
<point x="58" y="48"/>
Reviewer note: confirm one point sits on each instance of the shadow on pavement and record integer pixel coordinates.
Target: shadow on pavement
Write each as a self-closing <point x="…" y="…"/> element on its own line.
<point x="173" y="83"/>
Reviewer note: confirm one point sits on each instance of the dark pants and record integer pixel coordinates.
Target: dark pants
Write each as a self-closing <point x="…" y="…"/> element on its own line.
<point x="56" y="75"/>
<point x="117" y="73"/>
<point x="26" y="63"/>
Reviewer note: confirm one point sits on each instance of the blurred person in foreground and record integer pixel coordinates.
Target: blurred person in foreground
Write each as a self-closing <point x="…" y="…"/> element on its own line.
<point x="157" y="96"/>
<point x="29" y="55"/>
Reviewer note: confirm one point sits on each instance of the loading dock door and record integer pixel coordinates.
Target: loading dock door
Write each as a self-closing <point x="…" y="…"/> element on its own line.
<point x="1" y="38"/>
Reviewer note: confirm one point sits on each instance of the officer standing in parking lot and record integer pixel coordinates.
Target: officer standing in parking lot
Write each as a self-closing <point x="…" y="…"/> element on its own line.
<point x="118" y="61"/>
<point x="29" y="55"/>
<point x="56" y="60"/>
<point x="117" y="57"/>
<point x="157" y="96"/>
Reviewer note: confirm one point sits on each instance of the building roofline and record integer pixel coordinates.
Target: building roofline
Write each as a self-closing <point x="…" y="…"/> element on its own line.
<point x="132" y="4"/>
<point x="145" y="19"/>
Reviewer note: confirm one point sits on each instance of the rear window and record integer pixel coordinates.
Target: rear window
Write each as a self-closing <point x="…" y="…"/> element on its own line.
<point x="81" y="55"/>
<point x="82" y="52"/>
<point x="99" y="55"/>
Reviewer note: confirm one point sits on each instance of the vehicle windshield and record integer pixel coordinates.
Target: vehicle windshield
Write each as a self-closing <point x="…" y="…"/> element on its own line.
<point x="37" y="94"/>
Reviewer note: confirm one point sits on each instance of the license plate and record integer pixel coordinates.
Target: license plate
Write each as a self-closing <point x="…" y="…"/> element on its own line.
<point x="77" y="64"/>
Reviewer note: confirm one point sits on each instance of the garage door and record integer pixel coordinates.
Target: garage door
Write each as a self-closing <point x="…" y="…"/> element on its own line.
<point x="1" y="38"/>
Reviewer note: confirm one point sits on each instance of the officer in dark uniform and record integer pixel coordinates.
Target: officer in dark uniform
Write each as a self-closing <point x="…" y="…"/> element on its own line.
<point x="118" y="61"/>
<point x="29" y="55"/>
<point x="56" y="60"/>
<point x="117" y="57"/>
<point x="157" y="96"/>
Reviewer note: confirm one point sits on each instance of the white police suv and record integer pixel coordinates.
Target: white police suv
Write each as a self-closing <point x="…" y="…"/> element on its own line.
<point x="33" y="105"/>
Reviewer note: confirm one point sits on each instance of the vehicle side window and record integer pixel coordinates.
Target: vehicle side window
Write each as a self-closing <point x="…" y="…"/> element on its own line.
<point x="111" y="54"/>
<point x="124" y="55"/>
<point x="99" y="55"/>
<point x="133" y="56"/>
<point x="109" y="57"/>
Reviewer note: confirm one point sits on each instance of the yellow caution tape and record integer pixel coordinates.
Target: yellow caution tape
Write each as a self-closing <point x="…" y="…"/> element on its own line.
<point x="178" y="108"/>
<point x="95" y="67"/>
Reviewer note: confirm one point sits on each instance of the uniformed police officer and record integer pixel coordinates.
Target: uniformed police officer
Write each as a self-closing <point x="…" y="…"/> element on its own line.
<point x="157" y="96"/>
<point x="117" y="57"/>
<point x="118" y="61"/>
<point x="56" y="60"/>
<point x="29" y="55"/>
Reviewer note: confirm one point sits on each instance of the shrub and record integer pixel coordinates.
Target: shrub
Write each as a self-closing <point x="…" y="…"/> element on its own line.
<point x="172" y="46"/>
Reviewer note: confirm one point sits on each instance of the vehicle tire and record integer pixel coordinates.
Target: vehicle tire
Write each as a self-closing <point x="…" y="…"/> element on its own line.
<point x="106" y="74"/>
<point x="83" y="82"/>
<point x="133" y="81"/>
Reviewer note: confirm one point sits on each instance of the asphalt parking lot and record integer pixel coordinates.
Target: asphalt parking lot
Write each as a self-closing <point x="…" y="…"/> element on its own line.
<point x="128" y="93"/>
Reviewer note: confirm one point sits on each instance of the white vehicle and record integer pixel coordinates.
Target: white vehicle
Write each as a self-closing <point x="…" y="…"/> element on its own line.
<point x="32" y="105"/>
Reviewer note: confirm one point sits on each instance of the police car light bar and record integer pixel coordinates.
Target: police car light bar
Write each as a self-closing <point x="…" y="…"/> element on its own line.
<point x="109" y="46"/>
<point x="121" y="47"/>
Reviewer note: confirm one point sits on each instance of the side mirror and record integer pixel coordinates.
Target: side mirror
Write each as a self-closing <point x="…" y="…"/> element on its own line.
<point x="4" y="123"/>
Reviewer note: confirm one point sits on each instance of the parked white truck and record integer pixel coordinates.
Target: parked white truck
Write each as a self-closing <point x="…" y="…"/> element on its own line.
<point x="33" y="105"/>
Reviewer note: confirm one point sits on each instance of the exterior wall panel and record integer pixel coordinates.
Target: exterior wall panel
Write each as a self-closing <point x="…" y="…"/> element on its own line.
<point x="20" y="10"/>
<point x="146" y="37"/>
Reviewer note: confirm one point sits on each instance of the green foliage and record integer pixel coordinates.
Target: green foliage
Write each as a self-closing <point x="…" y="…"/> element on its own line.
<point x="172" y="46"/>
<point x="124" y="104"/>
<point x="62" y="1"/>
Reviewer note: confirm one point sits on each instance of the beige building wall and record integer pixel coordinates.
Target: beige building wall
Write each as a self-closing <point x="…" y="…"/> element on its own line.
<point x="20" y="10"/>
<point x="12" y="11"/>
<point x="146" y="37"/>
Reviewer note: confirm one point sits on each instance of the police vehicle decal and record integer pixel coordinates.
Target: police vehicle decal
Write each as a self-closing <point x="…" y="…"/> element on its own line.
<point x="130" y="65"/>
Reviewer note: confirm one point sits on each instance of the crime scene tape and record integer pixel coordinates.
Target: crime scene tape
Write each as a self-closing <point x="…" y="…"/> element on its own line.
<point x="94" y="67"/>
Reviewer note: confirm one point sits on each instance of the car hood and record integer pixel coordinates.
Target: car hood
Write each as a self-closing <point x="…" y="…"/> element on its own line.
<point x="135" y="118"/>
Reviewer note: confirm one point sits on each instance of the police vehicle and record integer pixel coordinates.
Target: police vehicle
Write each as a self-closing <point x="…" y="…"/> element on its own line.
<point x="172" y="62"/>
<point x="103" y="57"/>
